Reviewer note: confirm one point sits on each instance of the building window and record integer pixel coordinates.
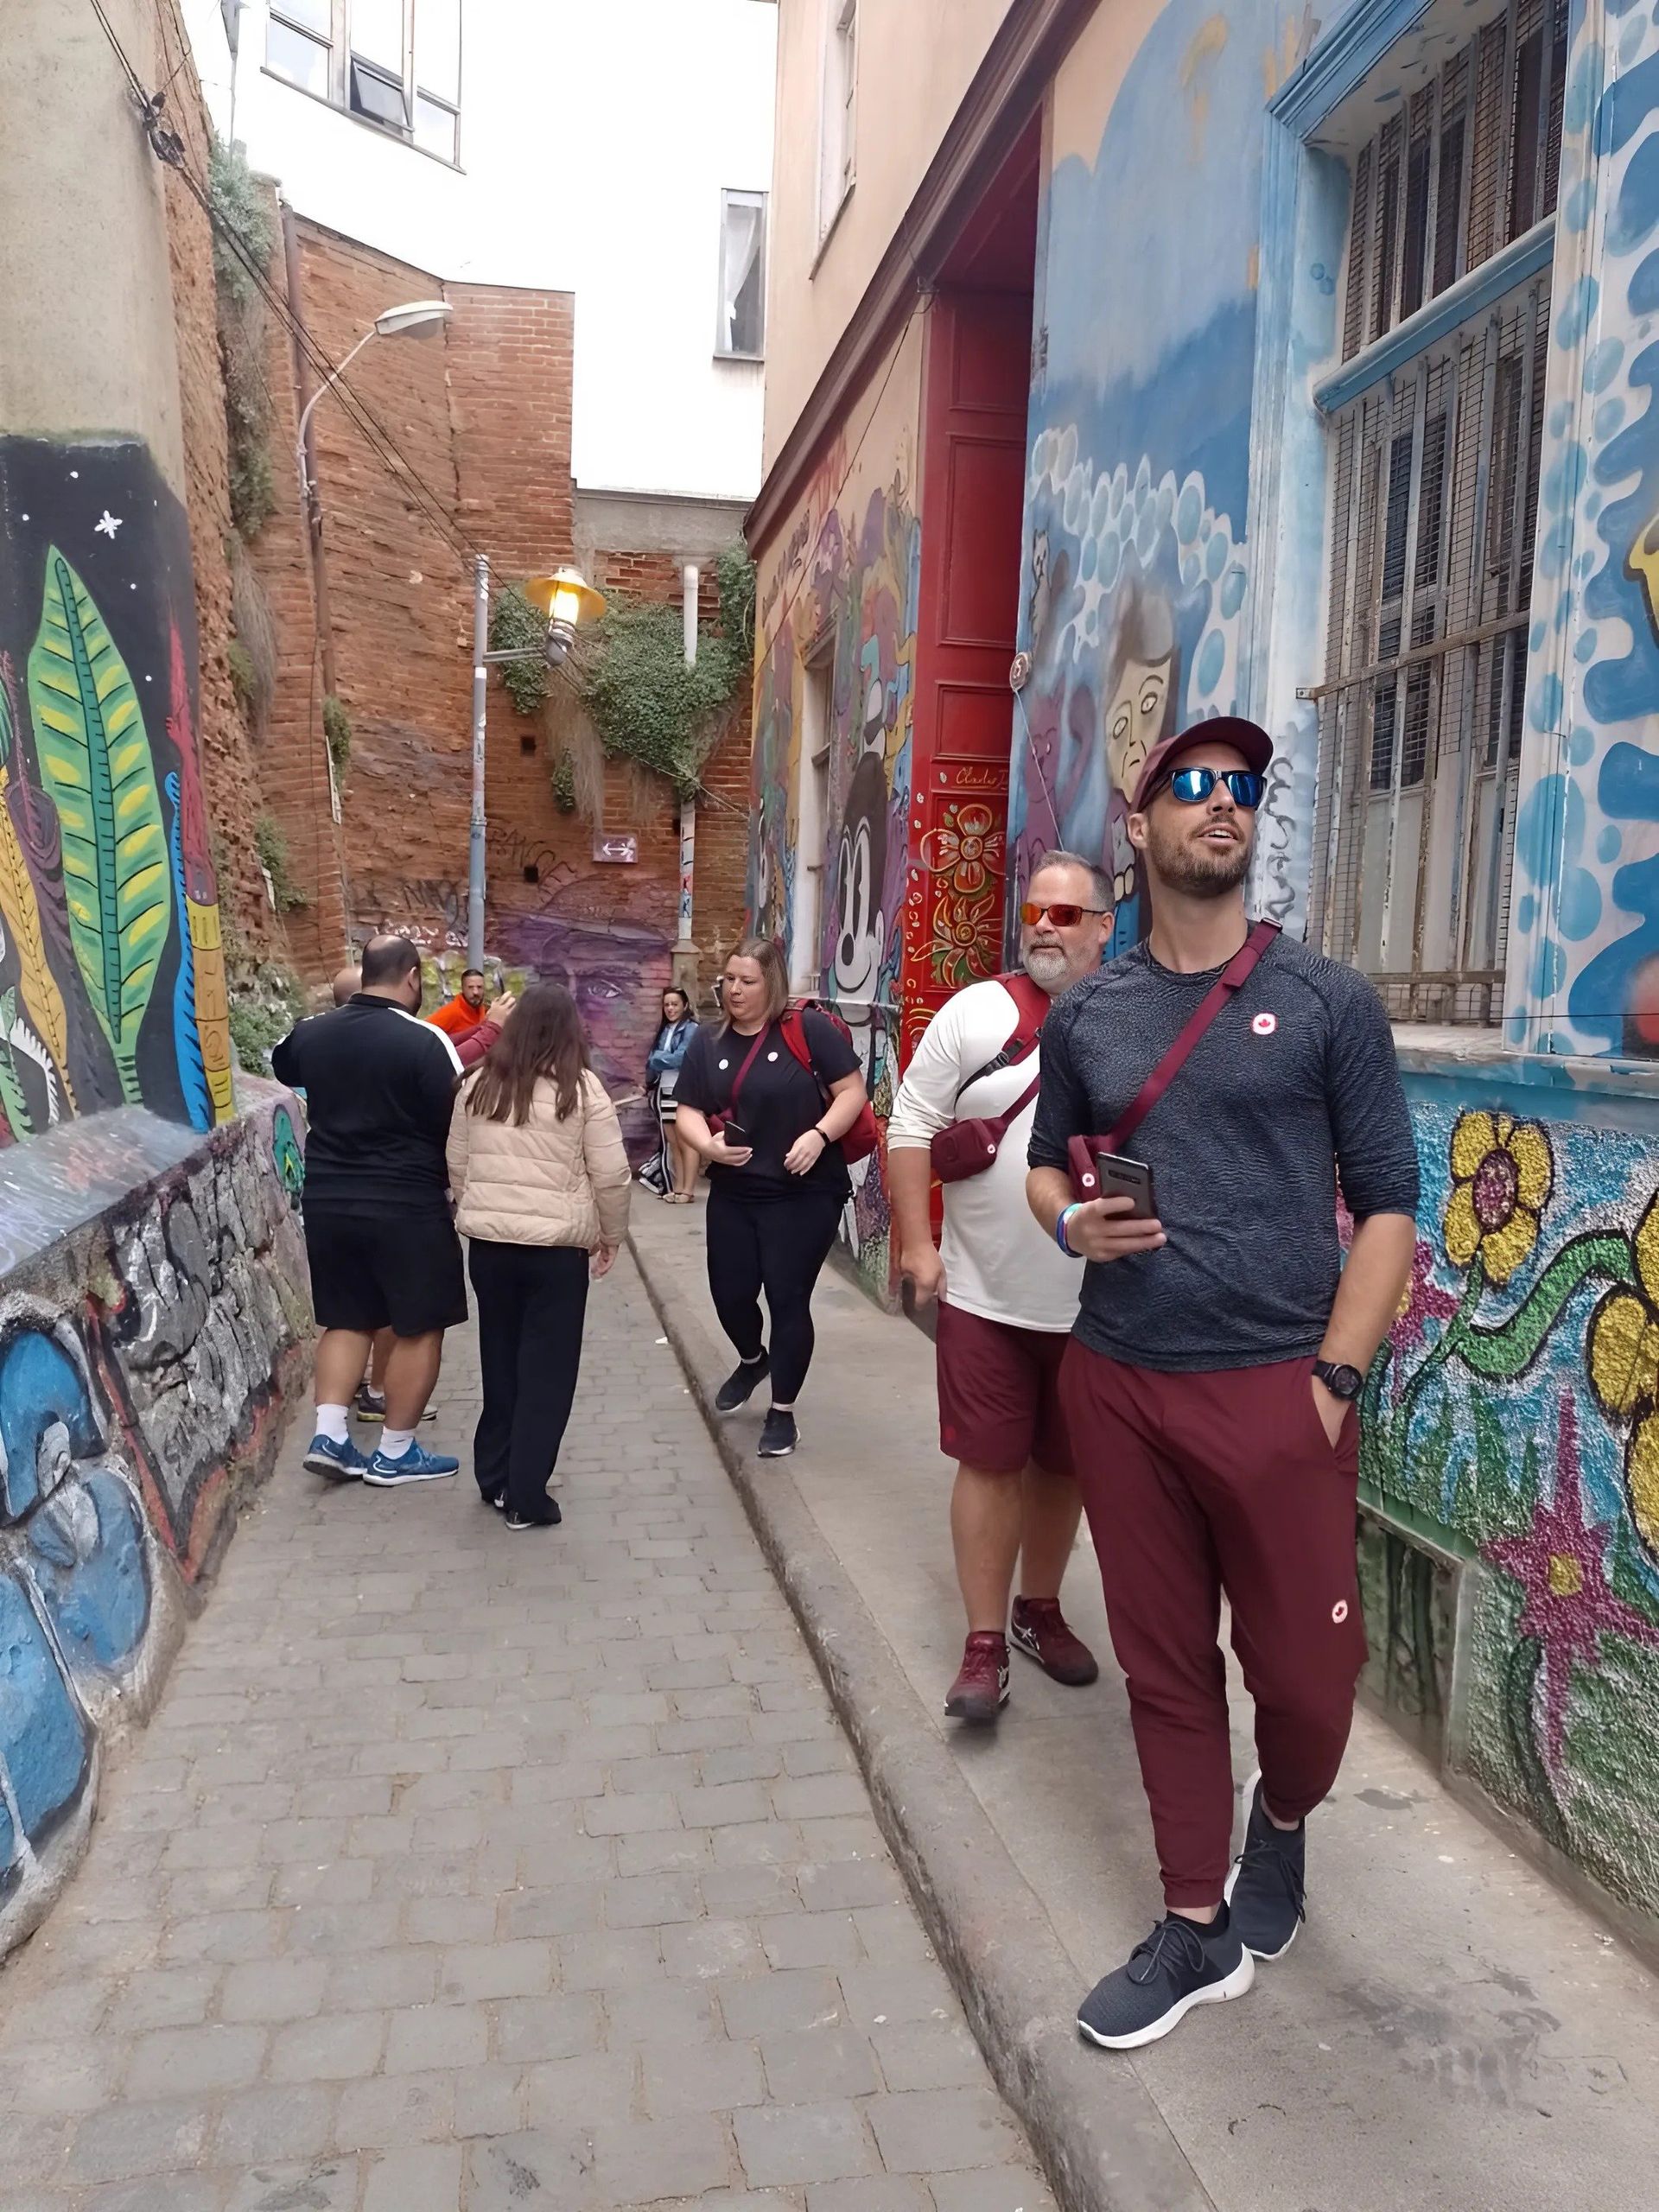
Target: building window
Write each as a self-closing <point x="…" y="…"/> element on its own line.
<point x="1433" y="459"/>
<point x="742" y="275"/>
<point x="811" y="820"/>
<point x="837" y="115"/>
<point x="396" y="63"/>
<point x="1468" y="163"/>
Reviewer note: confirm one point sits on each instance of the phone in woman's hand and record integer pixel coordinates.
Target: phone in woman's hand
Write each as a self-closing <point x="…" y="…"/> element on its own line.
<point x="734" y="1134"/>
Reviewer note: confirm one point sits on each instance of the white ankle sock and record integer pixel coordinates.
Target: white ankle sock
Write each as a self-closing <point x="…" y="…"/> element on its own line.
<point x="394" y="1442"/>
<point x="331" y="1423"/>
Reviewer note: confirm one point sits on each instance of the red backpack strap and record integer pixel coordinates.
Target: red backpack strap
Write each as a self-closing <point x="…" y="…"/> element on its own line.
<point x="793" y="1025"/>
<point x="1032" y="1003"/>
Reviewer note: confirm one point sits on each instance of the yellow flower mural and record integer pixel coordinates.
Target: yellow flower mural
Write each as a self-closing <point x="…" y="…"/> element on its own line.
<point x="1502" y="1176"/>
<point x="1622" y="1356"/>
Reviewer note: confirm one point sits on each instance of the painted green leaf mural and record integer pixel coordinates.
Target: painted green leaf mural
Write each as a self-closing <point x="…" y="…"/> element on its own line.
<point x="95" y="762"/>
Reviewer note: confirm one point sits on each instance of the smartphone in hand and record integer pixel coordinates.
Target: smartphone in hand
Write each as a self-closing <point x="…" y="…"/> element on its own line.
<point x="1128" y="1179"/>
<point x="733" y="1133"/>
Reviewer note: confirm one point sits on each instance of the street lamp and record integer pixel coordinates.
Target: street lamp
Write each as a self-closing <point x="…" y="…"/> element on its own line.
<point x="566" y="598"/>
<point x="415" y="319"/>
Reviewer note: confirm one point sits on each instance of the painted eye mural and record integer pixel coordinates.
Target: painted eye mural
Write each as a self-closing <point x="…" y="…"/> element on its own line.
<point x="112" y="985"/>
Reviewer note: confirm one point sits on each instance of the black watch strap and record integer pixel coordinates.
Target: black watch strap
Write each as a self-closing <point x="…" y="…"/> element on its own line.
<point x="1341" y="1382"/>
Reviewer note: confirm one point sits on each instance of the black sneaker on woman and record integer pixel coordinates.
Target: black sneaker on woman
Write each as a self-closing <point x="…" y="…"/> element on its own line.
<point x="1182" y="1963"/>
<point x="550" y="1519"/>
<point x="778" y="1435"/>
<point x="742" y="1384"/>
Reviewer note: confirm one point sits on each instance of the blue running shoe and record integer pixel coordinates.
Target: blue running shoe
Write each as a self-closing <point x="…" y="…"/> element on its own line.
<point x="341" y="1463"/>
<point x="415" y="1466"/>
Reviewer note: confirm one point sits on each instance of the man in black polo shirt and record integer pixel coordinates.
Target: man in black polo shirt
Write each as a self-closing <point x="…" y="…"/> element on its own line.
<point x="379" y="1088"/>
<point x="1219" y="1346"/>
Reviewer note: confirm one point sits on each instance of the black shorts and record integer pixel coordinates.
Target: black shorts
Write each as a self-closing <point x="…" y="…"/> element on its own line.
<point x="373" y="1271"/>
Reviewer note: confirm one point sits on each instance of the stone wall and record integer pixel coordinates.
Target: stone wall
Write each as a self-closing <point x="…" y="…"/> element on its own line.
<point x="154" y="1325"/>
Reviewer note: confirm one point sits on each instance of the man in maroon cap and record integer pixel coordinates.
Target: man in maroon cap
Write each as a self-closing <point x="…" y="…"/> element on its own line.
<point x="1219" y="1345"/>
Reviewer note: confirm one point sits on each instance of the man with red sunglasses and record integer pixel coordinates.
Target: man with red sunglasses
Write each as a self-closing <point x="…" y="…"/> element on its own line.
<point x="1219" y="1346"/>
<point x="1007" y="1299"/>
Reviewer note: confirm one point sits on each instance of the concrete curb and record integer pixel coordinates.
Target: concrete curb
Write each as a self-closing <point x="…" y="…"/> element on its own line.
<point x="1102" y="2140"/>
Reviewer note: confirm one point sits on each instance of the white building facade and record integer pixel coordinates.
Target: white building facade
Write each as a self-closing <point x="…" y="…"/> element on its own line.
<point x="620" y="152"/>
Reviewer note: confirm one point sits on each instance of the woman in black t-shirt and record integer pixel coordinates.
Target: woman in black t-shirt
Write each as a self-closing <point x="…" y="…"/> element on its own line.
<point x="777" y="1180"/>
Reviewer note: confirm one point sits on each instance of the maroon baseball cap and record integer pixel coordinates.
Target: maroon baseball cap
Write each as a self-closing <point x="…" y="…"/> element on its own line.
<point x="1248" y="737"/>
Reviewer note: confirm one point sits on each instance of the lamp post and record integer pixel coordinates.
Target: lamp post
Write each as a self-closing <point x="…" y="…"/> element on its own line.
<point x="415" y="319"/>
<point x="566" y="598"/>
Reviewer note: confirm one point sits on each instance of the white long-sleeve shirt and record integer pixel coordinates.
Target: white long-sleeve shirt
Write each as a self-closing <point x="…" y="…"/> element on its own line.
<point x="997" y="1261"/>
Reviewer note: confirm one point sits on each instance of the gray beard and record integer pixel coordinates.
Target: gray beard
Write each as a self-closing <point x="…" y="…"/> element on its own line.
<point x="1046" y="966"/>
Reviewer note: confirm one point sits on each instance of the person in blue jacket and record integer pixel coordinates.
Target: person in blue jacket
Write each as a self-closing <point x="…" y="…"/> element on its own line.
<point x="673" y="1173"/>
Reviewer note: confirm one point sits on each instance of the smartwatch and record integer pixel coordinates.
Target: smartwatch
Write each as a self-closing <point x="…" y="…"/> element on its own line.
<point x="1344" y="1382"/>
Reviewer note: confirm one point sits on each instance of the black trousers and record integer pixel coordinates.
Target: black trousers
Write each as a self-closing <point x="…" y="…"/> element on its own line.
<point x="779" y="1248"/>
<point x="531" y="1299"/>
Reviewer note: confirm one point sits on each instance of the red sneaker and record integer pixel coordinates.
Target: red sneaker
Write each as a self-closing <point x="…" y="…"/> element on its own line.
<point x="981" y="1690"/>
<point x="1039" y="1630"/>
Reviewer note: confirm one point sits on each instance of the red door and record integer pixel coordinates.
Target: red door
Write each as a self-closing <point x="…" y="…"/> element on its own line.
<point x="975" y="381"/>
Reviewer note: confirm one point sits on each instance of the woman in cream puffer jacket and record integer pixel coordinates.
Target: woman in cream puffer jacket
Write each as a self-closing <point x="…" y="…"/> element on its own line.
<point x="540" y="1183"/>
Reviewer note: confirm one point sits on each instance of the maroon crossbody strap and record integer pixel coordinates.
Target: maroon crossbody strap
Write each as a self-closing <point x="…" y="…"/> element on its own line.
<point x="1081" y="1150"/>
<point x="717" y="1122"/>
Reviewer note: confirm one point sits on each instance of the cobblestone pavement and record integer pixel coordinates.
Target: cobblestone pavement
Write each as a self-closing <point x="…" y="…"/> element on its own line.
<point x="466" y="1869"/>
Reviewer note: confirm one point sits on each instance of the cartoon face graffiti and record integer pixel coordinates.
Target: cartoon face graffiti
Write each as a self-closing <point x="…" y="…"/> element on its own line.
<point x="861" y="866"/>
<point x="75" y="1587"/>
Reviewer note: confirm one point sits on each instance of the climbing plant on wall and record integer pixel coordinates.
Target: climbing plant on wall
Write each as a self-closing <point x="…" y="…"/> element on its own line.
<point x="646" y="704"/>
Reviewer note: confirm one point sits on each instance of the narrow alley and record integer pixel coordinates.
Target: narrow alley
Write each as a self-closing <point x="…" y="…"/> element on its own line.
<point x="460" y="1868"/>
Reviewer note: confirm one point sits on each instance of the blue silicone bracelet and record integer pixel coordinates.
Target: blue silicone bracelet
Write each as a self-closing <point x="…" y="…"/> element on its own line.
<point x="1066" y="1213"/>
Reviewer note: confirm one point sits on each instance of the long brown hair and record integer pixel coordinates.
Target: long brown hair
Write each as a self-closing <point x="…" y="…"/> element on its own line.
<point x="767" y="957"/>
<point x="544" y="1037"/>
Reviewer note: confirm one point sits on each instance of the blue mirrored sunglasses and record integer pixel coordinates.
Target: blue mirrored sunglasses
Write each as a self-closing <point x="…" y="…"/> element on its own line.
<point x="1193" y="785"/>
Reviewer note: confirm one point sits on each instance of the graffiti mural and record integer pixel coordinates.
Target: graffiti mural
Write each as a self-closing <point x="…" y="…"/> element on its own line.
<point x="145" y="1361"/>
<point x="113" y="986"/>
<point x="1514" y="1407"/>
<point x="615" y="966"/>
<point x="838" y="603"/>
<point x="1584" y="961"/>
<point x="1136" y="575"/>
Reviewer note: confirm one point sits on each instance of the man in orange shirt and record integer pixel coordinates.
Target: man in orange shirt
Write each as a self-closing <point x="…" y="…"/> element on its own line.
<point x="461" y="1014"/>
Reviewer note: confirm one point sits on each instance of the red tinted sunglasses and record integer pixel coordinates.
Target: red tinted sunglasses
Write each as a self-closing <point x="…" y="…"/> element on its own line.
<point x="1063" y="916"/>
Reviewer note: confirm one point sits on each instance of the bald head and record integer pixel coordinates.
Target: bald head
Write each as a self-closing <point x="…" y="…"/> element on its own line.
<point x="347" y="983"/>
<point x="391" y="969"/>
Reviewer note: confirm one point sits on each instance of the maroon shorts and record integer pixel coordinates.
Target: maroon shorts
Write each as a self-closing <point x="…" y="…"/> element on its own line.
<point x="998" y="1395"/>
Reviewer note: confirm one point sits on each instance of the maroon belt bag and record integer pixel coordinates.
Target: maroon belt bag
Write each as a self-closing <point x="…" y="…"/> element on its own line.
<point x="967" y="1147"/>
<point x="1081" y="1151"/>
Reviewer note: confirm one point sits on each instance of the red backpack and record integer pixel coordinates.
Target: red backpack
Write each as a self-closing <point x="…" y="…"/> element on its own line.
<point x="860" y="1140"/>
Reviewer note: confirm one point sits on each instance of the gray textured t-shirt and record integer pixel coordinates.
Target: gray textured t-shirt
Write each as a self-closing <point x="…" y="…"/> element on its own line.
<point x="1294" y="1080"/>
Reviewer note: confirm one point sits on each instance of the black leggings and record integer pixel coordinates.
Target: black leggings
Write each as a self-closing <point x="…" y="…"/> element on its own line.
<point x="531" y="1299"/>
<point x="778" y="1249"/>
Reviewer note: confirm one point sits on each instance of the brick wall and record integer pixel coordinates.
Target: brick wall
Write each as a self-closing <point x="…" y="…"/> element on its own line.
<point x="482" y="416"/>
<point x="230" y="768"/>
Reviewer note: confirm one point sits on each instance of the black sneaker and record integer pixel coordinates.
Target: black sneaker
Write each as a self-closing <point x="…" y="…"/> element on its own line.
<point x="368" y="1405"/>
<point x="1266" y="1895"/>
<point x="1181" y="1964"/>
<point x="778" y="1435"/>
<point x="742" y="1384"/>
<point x="550" y="1519"/>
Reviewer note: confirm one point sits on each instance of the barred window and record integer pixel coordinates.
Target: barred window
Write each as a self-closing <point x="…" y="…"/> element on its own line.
<point x="1465" y="165"/>
<point x="1433" y="461"/>
<point x="1435" y="484"/>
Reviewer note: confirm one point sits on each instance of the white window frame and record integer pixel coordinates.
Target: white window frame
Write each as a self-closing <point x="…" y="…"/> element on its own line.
<point x="731" y="198"/>
<point x="341" y="61"/>
<point x="811" y="820"/>
<point x="838" y="113"/>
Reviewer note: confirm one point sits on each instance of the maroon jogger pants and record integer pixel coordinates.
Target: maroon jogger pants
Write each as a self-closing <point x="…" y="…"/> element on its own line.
<point x="1197" y="1484"/>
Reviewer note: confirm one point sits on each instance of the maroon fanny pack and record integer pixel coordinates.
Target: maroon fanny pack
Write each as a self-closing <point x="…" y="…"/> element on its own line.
<point x="1081" y="1151"/>
<point x="967" y="1147"/>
